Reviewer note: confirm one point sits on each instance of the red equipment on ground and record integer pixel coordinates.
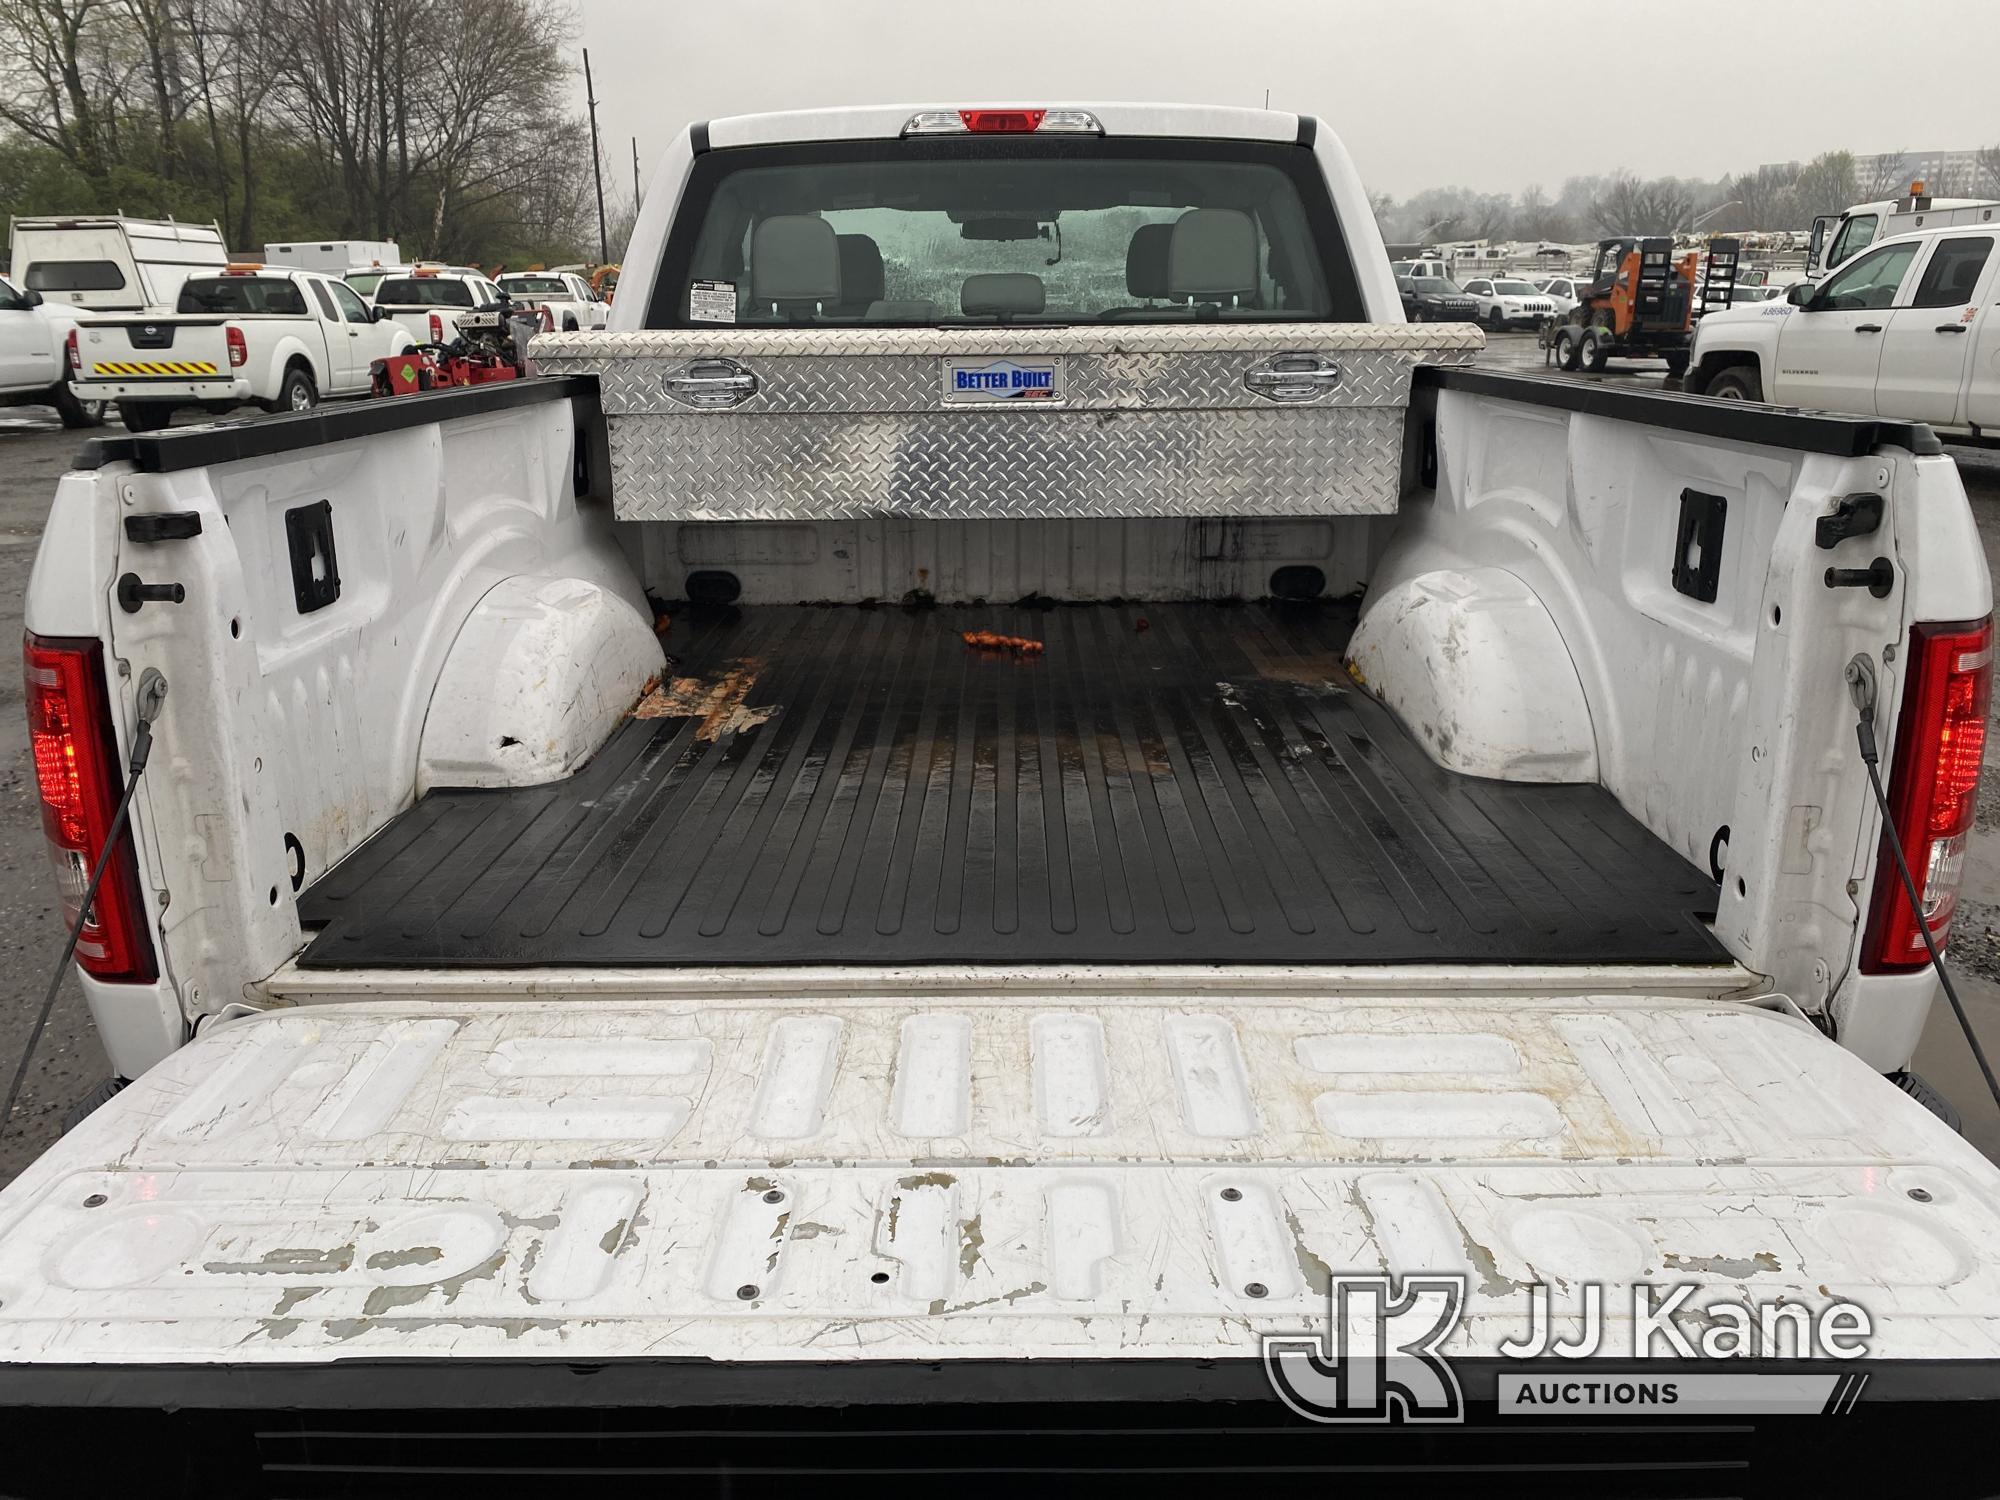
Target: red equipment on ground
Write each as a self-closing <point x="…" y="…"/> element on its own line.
<point x="430" y="368"/>
<point x="488" y="348"/>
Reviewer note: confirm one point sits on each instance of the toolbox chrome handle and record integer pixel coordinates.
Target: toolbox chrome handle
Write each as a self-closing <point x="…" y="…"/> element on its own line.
<point x="1293" y="377"/>
<point x="711" y="383"/>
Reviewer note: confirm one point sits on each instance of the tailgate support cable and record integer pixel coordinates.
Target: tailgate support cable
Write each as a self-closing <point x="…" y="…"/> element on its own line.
<point x="152" y="693"/>
<point x="1861" y="686"/>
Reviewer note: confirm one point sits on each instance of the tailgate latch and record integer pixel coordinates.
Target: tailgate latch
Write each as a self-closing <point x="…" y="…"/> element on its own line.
<point x="1293" y="377"/>
<point x="711" y="383"/>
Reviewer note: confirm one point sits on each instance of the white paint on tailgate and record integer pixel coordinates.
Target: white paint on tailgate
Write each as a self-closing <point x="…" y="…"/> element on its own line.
<point x="833" y="1176"/>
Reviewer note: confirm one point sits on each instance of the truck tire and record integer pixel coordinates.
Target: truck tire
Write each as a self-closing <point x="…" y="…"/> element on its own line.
<point x="1591" y="351"/>
<point x="1737" y="383"/>
<point x="297" y="392"/>
<point x="82" y="1110"/>
<point x="145" y="416"/>
<point x="75" y="413"/>
<point x="569" y="324"/>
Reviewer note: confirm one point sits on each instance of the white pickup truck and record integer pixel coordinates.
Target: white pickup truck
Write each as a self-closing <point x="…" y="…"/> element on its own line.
<point x="428" y="301"/>
<point x="1253" y="799"/>
<point x="570" y="300"/>
<point x="1909" y="329"/>
<point x="34" y="368"/>
<point x="282" y="339"/>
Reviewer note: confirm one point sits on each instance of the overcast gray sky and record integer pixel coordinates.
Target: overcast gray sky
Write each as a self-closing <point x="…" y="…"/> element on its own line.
<point x="1483" y="94"/>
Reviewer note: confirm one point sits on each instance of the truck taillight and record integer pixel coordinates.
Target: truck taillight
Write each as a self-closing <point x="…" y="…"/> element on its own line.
<point x="76" y="767"/>
<point x="239" y="350"/>
<point x="1933" y="789"/>
<point x="437" y="329"/>
<point x="73" y="353"/>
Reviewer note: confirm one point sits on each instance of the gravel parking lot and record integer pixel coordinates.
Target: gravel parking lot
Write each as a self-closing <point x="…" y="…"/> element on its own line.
<point x="35" y="450"/>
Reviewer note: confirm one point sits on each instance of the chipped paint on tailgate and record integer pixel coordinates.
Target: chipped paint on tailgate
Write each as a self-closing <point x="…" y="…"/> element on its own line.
<point x="992" y="1176"/>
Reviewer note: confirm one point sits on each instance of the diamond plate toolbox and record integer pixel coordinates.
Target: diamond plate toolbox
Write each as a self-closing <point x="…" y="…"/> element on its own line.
<point x="769" y="424"/>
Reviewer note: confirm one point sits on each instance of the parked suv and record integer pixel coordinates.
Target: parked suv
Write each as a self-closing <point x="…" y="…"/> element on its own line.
<point x="1436" y="299"/>
<point x="1506" y="302"/>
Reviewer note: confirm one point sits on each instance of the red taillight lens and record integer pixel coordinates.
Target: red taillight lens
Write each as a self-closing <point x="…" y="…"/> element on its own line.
<point x="1933" y="789"/>
<point x="437" y="329"/>
<point x="1002" y="121"/>
<point x="77" y="769"/>
<point x="74" y="354"/>
<point x="239" y="351"/>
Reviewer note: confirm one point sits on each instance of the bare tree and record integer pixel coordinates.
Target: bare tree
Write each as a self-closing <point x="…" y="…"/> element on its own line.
<point x="1888" y="175"/>
<point x="1826" y="185"/>
<point x="1769" y="197"/>
<point x="50" y="89"/>
<point x="1631" y="206"/>
<point x="1536" y="218"/>
<point x="1986" y="171"/>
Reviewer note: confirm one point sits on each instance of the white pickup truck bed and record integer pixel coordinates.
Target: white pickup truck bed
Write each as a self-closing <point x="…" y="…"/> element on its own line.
<point x="616" y="983"/>
<point x="1167" y="783"/>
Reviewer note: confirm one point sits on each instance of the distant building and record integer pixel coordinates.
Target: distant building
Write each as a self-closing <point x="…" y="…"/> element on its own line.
<point x="1944" y="174"/>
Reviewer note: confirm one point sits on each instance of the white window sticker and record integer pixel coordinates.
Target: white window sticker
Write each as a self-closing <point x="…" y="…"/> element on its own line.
<point x="712" y="302"/>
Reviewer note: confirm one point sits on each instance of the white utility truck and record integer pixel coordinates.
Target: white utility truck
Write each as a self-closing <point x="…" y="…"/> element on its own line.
<point x="109" y="263"/>
<point x="252" y="334"/>
<point x="571" y="301"/>
<point x="1003" y="779"/>
<point x="34" y="369"/>
<point x="1909" y="328"/>
<point x="1838" y="238"/>
<point x="334" y="256"/>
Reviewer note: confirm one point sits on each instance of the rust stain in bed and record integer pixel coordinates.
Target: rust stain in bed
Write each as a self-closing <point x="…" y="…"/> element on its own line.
<point x="718" y="704"/>
<point x="1306" y="668"/>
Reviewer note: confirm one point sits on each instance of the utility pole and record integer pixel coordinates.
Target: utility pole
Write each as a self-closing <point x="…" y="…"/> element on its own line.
<point x="596" y="164"/>
<point x="635" y="174"/>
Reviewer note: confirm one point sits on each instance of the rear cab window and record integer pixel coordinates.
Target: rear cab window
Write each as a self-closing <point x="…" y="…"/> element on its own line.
<point x="241" y="294"/>
<point x="939" y="232"/>
<point x="423" y="291"/>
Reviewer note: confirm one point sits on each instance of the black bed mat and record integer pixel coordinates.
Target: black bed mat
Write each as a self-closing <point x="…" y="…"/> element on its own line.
<point x="1166" y="783"/>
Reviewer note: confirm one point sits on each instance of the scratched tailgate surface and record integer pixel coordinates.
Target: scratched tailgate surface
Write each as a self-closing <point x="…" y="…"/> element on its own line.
<point x="993" y="1176"/>
<point x="1165" y="784"/>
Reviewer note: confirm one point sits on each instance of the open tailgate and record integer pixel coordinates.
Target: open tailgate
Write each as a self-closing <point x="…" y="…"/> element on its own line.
<point x="969" y="1177"/>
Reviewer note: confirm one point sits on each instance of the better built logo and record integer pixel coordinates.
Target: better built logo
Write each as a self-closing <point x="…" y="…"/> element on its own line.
<point x="1005" y="380"/>
<point x="1379" y="1360"/>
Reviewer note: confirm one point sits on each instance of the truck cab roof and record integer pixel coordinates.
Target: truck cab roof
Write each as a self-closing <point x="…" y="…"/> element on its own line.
<point x="890" y="121"/>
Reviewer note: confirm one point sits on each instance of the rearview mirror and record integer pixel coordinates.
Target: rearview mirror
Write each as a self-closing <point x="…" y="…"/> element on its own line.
<point x="378" y="314"/>
<point x="1801" y="293"/>
<point x="1000" y="229"/>
<point x="31" y="297"/>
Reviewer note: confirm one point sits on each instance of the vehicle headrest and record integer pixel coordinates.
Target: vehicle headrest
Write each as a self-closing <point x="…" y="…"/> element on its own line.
<point x="1001" y="293"/>
<point x="861" y="278"/>
<point x="1213" y="254"/>
<point x="794" y="258"/>
<point x="910" y="310"/>
<point x="1146" y="260"/>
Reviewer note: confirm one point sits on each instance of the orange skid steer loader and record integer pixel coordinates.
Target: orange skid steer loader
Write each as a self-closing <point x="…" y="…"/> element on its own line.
<point x="1640" y="305"/>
